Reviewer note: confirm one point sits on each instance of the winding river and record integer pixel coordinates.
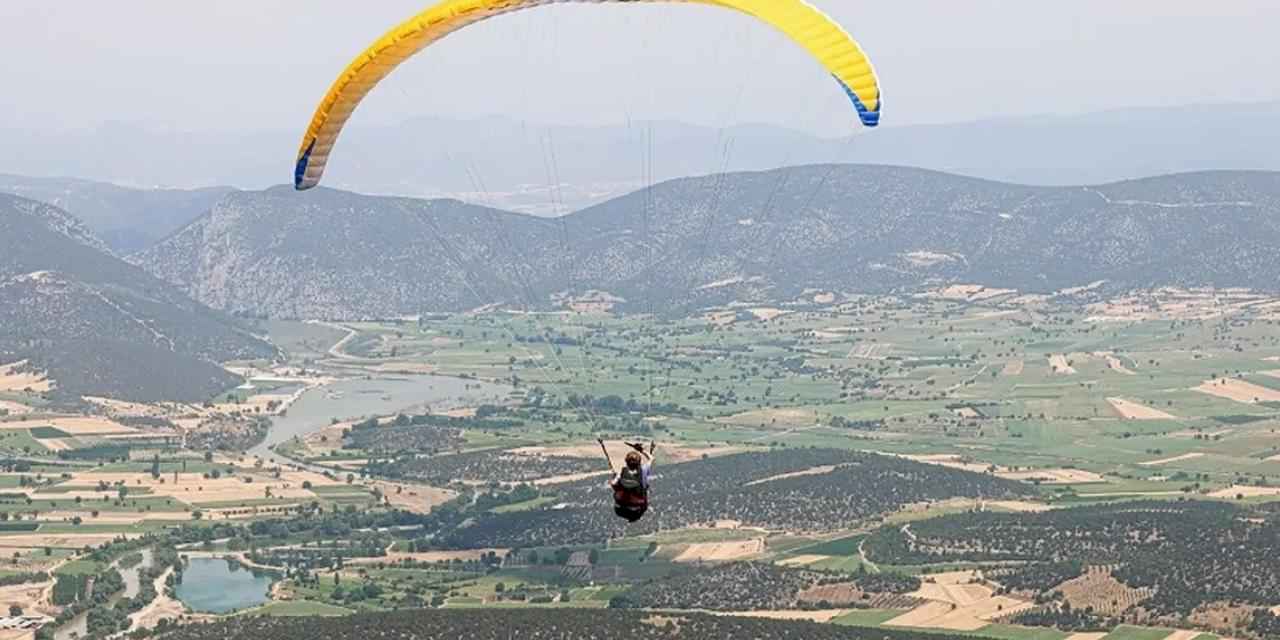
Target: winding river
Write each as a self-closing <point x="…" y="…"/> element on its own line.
<point x="78" y="627"/>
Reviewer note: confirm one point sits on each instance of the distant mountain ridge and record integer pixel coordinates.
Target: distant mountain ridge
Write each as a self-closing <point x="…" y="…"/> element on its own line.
<point x="749" y="237"/>
<point x="553" y="169"/>
<point x="126" y="219"/>
<point x="100" y="326"/>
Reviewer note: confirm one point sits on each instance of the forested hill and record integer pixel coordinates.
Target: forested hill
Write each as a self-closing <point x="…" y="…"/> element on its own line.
<point x="761" y="236"/>
<point x="549" y="624"/>
<point x="100" y="326"/>
<point x="127" y="220"/>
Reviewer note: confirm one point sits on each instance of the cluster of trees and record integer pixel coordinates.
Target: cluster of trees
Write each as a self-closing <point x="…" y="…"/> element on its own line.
<point x="229" y="433"/>
<point x="886" y="582"/>
<point x="1040" y="576"/>
<point x="428" y="439"/>
<point x="614" y="405"/>
<point x="1190" y="552"/>
<point x="1060" y="615"/>
<point x="80" y="593"/>
<point x="740" y="586"/>
<point x="841" y="422"/>
<point x="548" y="624"/>
<point x="739" y="487"/>
<point x="23" y="578"/>
<point x="92" y="593"/>
<point x="1265" y="624"/>
<point x="484" y="466"/>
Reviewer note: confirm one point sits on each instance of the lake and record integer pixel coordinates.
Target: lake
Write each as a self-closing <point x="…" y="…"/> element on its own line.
<point x="380" y="396"/>
<point x="214" y="585"/>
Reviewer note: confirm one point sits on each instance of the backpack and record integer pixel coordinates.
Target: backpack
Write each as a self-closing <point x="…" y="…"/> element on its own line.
<point x="631" y="480"/>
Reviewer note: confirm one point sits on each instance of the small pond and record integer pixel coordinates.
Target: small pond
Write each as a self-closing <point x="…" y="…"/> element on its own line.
<point x="215" y="585"/>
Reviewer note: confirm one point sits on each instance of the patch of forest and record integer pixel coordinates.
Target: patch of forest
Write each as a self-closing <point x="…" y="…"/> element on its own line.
<point x="748" y="487"/>
<point x="487" y="466"/>
<point x="749" y="586"/>
<point x="1191" y="553"/>
<point x="544" y="624"/>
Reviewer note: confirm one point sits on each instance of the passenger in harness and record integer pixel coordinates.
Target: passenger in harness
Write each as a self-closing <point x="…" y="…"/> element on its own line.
<point x="631" y="483"/>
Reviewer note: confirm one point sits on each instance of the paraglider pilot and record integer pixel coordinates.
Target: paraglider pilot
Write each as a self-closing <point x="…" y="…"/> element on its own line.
<point x="630" y="484"/>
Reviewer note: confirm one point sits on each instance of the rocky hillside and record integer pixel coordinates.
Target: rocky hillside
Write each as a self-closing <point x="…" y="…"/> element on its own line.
<point x="127" y="220"/>
<point x="763" y="236"/>
<point x="99" y="326"/>
<point x="333" y="254"/>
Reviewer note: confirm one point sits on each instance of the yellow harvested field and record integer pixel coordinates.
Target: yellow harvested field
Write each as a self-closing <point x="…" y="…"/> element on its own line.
<point x="1113" y="494"/>
<point x="60" y="540"/>
<point x="824" y="298"/>
<point x="784" y="418"/>
<point x="959" y="594"/>
<point x="816" y="471"/>
<point x="966" y="292"/>
<point x="1239" y="391"/>
<point x="405" y="367"/>
<point x="1130" y="410"/>
<point x="1087" y="636"/>
<point x="721" y="551"/>
<point x="1185" y="456"/>
<point x="802" y="560"/>
<point x="119" y="517"/>
<point x="29" y="596"/>
<point x="1230" y="493"/>
<point x="414" y="498"/>
<point x="958" y="617"/>
<point x="14" y="408"/>
<point x="74" y="425"/>
<point x="1114" y="364"/>
<point x="618" y="450"/>
<point x="193" y="488"/>
<point x="571" y="477"/>
<point x="1018" y="506"/>
<point x="950" y="460"/>
<point x="722" y="318"/>
<point x="767" y="313"/>
<point x="1053" y="476"/>
<point x="922" y="615"/>
<point x="1014" y="367"/>
<point x="825" y="615"/>
<point x="1058" y="364"/>
<point x="12" y="380"/>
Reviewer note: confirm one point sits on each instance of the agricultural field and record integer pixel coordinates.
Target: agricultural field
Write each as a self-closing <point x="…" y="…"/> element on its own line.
<point x="814" y="463"/>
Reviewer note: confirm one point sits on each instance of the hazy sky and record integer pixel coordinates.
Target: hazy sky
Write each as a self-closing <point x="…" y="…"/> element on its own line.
<point x="263" y="64"/>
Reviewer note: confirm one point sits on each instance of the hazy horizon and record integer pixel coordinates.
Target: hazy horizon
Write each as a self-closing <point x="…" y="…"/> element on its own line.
<point x="240" y="66"/>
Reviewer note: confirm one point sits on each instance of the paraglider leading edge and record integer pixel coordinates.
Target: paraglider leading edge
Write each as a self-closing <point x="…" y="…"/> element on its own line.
<point x="808" y="26"/>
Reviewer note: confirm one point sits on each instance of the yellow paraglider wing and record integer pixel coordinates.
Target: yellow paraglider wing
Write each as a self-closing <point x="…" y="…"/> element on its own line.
<point x="822" y="37"/>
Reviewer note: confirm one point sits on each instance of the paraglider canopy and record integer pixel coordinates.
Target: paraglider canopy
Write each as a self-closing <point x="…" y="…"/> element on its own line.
<point x="821" y="36"/>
